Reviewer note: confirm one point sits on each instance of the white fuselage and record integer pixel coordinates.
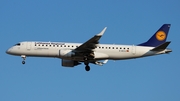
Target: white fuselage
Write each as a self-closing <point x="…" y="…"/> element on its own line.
<point x="73" y="54"/>
<point x="101" y="52"/>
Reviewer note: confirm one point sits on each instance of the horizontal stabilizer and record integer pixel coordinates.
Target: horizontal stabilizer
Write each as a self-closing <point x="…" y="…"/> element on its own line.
<point x="161" y="47"/>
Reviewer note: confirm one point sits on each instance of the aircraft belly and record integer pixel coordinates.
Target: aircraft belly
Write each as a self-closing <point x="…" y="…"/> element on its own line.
<point x="41" y="53"/>
<point x="144" y="51"/>
<point x="119" y="54"/>
<point x="53" y="53"/>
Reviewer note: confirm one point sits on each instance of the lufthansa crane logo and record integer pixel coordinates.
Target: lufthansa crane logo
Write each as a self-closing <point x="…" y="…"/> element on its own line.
<point x="160" y="35"/>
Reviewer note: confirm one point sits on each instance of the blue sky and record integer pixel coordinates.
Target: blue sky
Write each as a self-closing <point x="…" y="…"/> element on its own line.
<point x="44" y="79"/>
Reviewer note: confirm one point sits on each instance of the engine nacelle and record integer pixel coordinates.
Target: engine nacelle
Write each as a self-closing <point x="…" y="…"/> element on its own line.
<point x="66" y="53"/>
<point x="69" y="63"/>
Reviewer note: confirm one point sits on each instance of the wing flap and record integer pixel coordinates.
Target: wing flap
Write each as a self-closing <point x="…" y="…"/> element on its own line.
<point x="100" y="63"/>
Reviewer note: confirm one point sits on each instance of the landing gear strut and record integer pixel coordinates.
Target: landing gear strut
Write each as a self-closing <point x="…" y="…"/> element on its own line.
<point x="86" y="62"/>
<point x="24" y="58"/>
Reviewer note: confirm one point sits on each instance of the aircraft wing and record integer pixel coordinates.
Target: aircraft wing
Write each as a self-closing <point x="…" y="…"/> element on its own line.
<point x="89" y="45"/>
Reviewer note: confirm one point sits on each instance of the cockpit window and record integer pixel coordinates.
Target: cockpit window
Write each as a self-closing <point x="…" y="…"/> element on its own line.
<point x="18" y="44"/>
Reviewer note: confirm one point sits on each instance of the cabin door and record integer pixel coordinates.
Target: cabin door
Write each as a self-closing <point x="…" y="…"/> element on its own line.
<point x="133" y="50"/>
<point x="28" y="45"/>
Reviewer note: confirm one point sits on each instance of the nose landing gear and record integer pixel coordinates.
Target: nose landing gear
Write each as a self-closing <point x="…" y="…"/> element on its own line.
<point x="23" y="62"/>
<point x="24" y="58"/>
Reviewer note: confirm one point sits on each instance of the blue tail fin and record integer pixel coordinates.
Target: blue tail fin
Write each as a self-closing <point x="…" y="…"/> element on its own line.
<point x="159" y="37"/>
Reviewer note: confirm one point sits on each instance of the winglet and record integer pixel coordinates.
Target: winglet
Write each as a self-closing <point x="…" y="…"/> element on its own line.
<point x="102" y="32"/>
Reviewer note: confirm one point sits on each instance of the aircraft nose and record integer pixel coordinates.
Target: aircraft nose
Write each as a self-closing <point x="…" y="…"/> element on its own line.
<point x="8" y="51"/>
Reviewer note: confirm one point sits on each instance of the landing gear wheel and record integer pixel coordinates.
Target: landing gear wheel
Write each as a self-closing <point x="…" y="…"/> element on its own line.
<point x="87" y="68"/>
<point x="23" y="62"/>
<point x="24" y="58"/>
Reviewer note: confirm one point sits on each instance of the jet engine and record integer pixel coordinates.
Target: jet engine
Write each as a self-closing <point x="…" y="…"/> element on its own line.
<point x="66" y="53"/>
<point x="69" y="63"/>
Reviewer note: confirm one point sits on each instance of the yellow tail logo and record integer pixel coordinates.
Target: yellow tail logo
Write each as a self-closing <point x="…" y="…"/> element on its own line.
<point x="160" y="35"/>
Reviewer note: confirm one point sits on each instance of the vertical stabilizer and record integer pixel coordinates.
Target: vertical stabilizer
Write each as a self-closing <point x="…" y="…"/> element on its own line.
<point x="159" y="37"/>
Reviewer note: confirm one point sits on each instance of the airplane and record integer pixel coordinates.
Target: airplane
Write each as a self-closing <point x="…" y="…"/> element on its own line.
<point x="91" y="51"/>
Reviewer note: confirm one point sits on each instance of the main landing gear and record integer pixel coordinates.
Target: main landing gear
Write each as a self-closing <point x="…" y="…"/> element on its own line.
<point x="87" y="68"/>
<point x="24" y="58"/>
<point x="86" y="62"/>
